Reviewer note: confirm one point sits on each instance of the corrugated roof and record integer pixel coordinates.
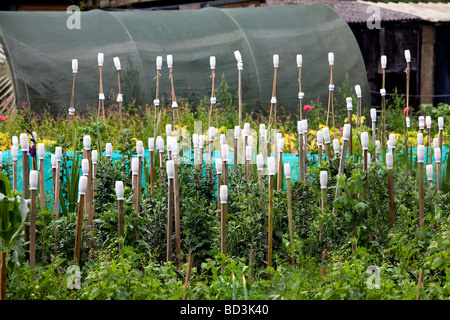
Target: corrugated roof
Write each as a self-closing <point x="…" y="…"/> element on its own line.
<point x="429" y="11"/>
<point x="356" y="12"/>
<point x="352" y="11"/>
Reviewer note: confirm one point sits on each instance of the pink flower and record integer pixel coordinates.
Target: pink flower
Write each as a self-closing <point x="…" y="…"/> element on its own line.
<point x="342" y="129"/>
<point x="2" y="117"/>
<point x="406" y="110"/>
<point x="307" y="107"/>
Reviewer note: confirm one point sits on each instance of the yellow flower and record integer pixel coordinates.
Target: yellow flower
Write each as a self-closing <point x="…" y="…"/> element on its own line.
<point x="4" y="141"/>
<point x="289" y="139"/>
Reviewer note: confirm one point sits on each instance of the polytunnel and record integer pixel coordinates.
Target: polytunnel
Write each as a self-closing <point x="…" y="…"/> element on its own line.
<point x="39" y="47"/>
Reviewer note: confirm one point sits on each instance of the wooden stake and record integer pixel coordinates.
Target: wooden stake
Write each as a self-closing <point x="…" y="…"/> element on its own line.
<point x="289" y="203"/>
<point x="223" y="227"/>
<point x="79" y="226"/>
<point x="152" y="176"/>
<point x="280" y="171"/>
<point x="328" y="152"/>
<point x="419" y="283"/>
<point x="177" y="214"/>
<point x="33" y="233"/>
<point x="56" y="197"/>
<point x="420" y="182"/>
<point x="240" y="96"/>
<point x="41" y="183"/>
<point x="88" y="198"/>
<point x="270" y="223"/>
<point x="169" y="219"/>
<point x="15" y="175"/>
<point x="301" y="157"/>
<point x="188" y="273"/>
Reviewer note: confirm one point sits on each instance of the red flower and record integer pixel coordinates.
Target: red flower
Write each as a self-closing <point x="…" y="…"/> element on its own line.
<point x="307" y="107"/>
<point x="342" y="129"/>
<point x="2" y="117"/>
<point x="406" y="110"/>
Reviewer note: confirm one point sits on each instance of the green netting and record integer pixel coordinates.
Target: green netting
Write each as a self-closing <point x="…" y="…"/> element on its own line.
<point x="40" y="47"/>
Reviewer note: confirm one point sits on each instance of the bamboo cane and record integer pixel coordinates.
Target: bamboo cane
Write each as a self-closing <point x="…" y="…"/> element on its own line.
<point x="24" y="145"/>
<point x="358" y="108"/>
<point x="151" y="148"/>
<point x="300" y="149"/>
<point x="383" y="100"/>
<point x="323" y="193"/>
<point x="240" y="65"/>
<point x="280" y="164"/>
<point x="223" y="218"/>
<point x="219" y="178"/>
<point x="373" y="116"/>
<point x="41" y="153"/>
<point x="53" y="163"/>
<point x="429" y="138"/>
<point x="225" y="154"/>
<point x="408" y="62"/>
<point x="437" y="163"/>
<point x="390" y="172"/>
<point x="101" y="101"/>
<point x="273" y="100"/>
<point x="271" y="173"/>
<point x="419" y="283"/>
<point x="120" y="217"/>
<point x="14" y="154"/>
<point x="79" y="224"/>
<point x="245" y="133"/>
<point x="319" y="138"/>
<point x="176" y="205"/>
<point x="349" y="121"/>
<point x="58" y="153"/>
<point x="327" y="141"/>
<point x="211" y="134"/>
<point x="89" y="208"/>
<point x="134" y="182"/>
<point x="140" y="156"/>
<point x="300" y="93"/>
<point x="365" y="147"/>
<point x="345" y="138"/>
<point x="188" y="273"/>
<point x="118" y="66"/>
<point x="170" y="199"/>
<point x="237" y="134"/>
<point x="441" y="130"/>
<point x="156" y="100"/>
<point x="87" y="200"/>
<point x="420" y="159"/>
<point x="287" y="173"/>
<point x="212" y="63"/>
<point x="305" y="148"/>
<point x="330" y="89"/>
<point x="33" y="190"/>
<point x="72" y="98"/>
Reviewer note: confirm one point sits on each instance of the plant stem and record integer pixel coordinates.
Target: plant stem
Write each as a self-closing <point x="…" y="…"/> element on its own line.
<point x="120" y="222"/>
<point x="78" y="229"/>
